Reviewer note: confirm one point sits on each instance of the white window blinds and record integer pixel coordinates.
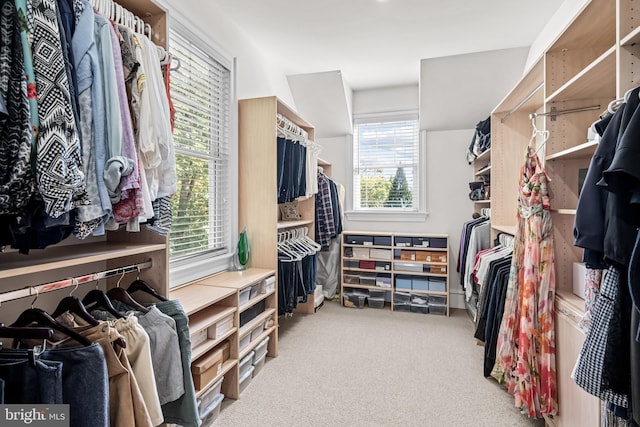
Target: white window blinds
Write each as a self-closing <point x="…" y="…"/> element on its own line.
<point x="200" y="90"/>
<point x="386" y="163"/>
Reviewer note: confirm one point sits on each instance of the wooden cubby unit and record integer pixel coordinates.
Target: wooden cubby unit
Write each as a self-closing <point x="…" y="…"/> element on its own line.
<point x="393" y="272"/>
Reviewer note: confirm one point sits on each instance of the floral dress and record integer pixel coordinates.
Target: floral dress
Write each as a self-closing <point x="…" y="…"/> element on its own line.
<point x="525" y="359"/>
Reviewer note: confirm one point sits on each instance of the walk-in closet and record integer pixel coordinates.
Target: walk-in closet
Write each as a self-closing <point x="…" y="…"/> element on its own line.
<point x="376" y="213"/>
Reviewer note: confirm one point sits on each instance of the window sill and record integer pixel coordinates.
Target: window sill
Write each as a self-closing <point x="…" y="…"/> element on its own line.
<point x="387" y="216"/>
<point x="197" y="268"/>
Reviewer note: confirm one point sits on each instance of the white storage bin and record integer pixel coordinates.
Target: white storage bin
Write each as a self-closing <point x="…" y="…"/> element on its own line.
<point x="244" y="296"/>
<point x="246" y="379"/>
<point x="269" y="285"/>
<point x="255" y="290"/>
<point x="258" y="331"/>
<point x="209" y="396"/>
<point x="261" y="348"/>
<point x="259" y="364"/>
<point x="246" y="363"/>
<point x="211" y="413"/>
<point x="244" y="342"/>
<point x="224" y="326"/>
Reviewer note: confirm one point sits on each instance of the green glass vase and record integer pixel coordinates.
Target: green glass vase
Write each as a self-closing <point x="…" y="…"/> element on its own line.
<point x="243" y="250"/>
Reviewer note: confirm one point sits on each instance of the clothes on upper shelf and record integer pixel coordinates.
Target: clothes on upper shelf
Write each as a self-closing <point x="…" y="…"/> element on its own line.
<point x="80" y="156"/>
<point x="606" y="226"/>
<point x="292" y="170"/>
<point x="481" y="241"/>
<point x="481" y="140"/>
<point x="145" y="383"/>
<point x="525" y="351"/>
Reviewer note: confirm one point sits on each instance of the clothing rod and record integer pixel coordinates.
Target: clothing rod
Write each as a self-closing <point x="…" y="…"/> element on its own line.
<point x="521" y="103"/>
<point x="71" y="281"/>
<point x="561" y="112"/>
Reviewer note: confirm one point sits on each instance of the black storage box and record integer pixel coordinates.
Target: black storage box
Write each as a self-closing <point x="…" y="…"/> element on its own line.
<point x="382" y="240"/>
<point x="356" y="239"/>
<point x="348" y="252"/>
<point x="404" y="241"/>
<point x="421" y="242"/>
<point x="251" y="313"/>
<point x="438" y="242"/>
<point x="383" y="265"/>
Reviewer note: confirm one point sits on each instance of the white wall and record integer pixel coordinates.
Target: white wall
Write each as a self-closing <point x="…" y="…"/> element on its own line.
<point x="257" y="74"/>
<point x="399" y="98"/>
<point x="456" y="92"/>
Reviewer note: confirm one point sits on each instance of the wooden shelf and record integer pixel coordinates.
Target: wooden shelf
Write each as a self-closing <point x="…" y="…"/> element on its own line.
<point x="246" y="329"/>
<point x="255" y="300"/>
<point x="581" y="151"/>
<point x="531" y="83"/>
<point x="594" y="82"/>
<point x="420" y="262"/>
<point x="195" y="297"/>
<point x="564" y="211"/>
<point x="632" y="38"/>
<point x="55" y="257"/>
<point x="349" y="285"/>
<point x="206" y="318"/>
<point x="257" y="341"/>
<point x="575" y="301"/>
<point x="210" y="343"/>
<point x="415" y="291"/>
<point x="509" y="229"/>
<point x="322" y="162"/>
<point x="485" y="155"/>
<point x="421" y="248"/>
<point x="365" y="270"/>
<point x="351" y="245"/>
<point x="226" y="367"/>
<point x="482" y="202"/>
<point x="283" y="225"/>
<point x="485" y="171"/>
<point x="416" y="273"/>
<point x="237" y="279"/>
<point x="366" y="259"/>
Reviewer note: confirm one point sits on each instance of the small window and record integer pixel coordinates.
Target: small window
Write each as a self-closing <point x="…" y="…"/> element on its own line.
<point x="386" y="164"/>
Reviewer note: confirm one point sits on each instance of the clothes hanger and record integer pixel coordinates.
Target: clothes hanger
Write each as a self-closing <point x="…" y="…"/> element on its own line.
<point x="40" y="317"/>
<point x="75" y="306"/>
<point x="141" y="285"/>
<point x="119" y="294"/>
<point x="98" y="298"/>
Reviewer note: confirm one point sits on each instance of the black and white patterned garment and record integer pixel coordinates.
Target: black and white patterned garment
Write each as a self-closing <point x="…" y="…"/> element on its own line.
<point x="162" y="218"/>
<point x="15" y="151"/>
<point x="58" y="164"/>
<point x="589" y="369"/>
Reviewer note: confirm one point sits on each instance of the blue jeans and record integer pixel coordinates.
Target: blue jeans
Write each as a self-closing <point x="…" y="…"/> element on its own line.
<point x="85" y="383"/>
<point x="26" y="382"/>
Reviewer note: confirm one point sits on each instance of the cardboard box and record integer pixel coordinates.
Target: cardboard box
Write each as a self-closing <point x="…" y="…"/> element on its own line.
<point x="380" y="253"/>
<point x="408" y="255"/>
<point x="420" y="284"/>
<point x="206" y="368"/>
<point x="367" y="265"/>
<point x="361" y="252"/>
<point x="226" y="351"/>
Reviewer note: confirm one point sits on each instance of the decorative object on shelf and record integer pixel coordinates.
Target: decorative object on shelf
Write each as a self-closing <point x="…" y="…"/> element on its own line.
<point x="289" y="211"/>
<point x="243" y="250"/>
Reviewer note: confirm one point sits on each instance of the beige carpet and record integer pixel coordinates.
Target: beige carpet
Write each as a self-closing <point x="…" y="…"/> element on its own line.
<point x="350" y="367"/>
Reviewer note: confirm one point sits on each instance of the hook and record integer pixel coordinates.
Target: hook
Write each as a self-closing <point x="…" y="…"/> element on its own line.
<point x="75" y="282"/>
<point x="37" y="295"/>
<point x="120" y="279"/>
<point x="138" y="275"/>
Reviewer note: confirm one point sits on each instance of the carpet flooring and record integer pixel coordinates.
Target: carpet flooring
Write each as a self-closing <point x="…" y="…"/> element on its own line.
<point x="368" y="367"/>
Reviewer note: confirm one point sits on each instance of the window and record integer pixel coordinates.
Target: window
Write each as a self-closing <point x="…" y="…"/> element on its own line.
<point x="201" y="95"/>
<point x="386" y="164"/>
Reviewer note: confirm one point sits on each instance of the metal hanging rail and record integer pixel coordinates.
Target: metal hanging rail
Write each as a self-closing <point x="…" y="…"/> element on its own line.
<point x="71" y="281"/>
<point x="521" y="103"/>
<point x="554" y="112"/>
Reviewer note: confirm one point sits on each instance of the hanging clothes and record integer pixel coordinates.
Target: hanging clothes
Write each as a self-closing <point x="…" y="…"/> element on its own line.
<point x="525" y="356"/>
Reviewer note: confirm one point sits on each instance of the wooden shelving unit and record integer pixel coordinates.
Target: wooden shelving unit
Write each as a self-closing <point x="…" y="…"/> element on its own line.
<point x="585" y="68"/>
<point x="257" y="160"/>
<point x="393" y="272"/>
<point x="212" y="299"/>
